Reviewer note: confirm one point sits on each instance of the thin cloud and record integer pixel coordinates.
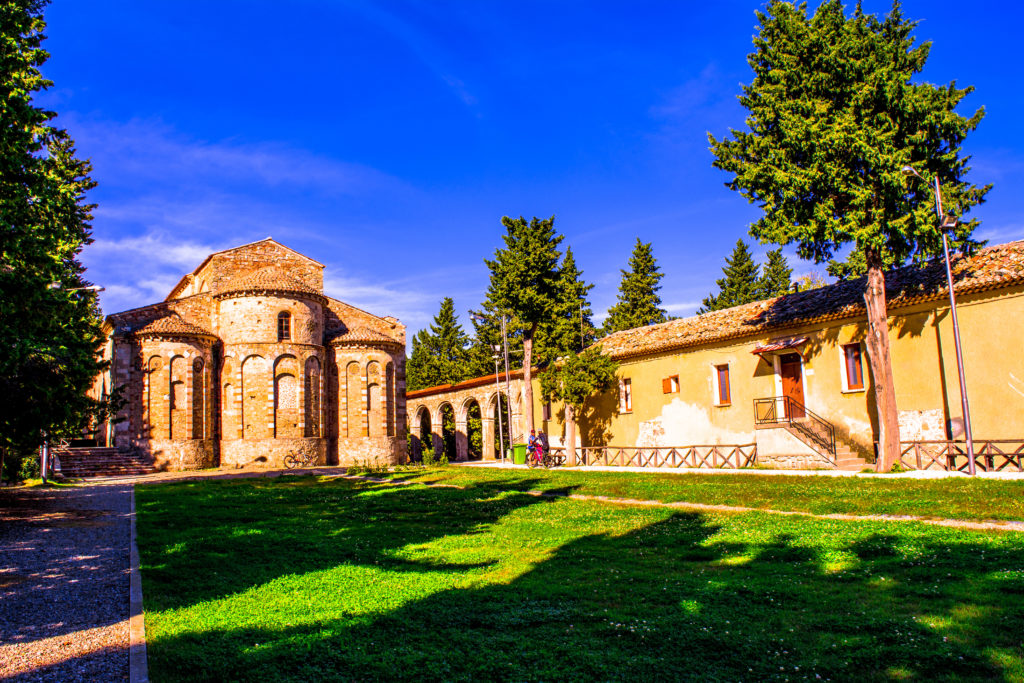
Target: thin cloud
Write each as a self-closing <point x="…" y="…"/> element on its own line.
<point x="410" y="305"/>
<point x="150" y="149"/>
<point x="1000" y="233"/>
<point x="424" y="47"/>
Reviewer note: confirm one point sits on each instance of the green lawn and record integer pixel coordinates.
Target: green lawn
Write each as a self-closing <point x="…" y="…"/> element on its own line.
<point x="951" y="498"/>
<point x="300" y="579"/>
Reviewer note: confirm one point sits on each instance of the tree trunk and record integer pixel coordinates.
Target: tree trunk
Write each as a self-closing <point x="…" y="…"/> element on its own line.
<point x="528" y="380"/>
<point x="877" y="343"/>
<point x="570" y="434"/>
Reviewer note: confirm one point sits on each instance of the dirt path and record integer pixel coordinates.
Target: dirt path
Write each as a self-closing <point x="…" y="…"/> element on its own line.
<point x="64" y="583"/>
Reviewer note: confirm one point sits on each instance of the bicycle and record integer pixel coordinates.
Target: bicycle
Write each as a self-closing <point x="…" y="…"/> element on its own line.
<point x="293" y="460"/>
<point x="547" y="460"/>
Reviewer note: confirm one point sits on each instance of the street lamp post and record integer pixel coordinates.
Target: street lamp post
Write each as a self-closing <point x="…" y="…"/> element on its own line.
<point x="948" y="223"/>
<point x="497" y="398"/>
<point x="499" y="350"/>
<point x="508" y="389"/>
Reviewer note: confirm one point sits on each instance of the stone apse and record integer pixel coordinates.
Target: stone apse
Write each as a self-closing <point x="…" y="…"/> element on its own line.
<point x="427" y="407"/>
<point x="247" y="360"/>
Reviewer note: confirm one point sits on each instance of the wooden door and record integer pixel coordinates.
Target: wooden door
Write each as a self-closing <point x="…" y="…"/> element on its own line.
<point x="792" y="382"/>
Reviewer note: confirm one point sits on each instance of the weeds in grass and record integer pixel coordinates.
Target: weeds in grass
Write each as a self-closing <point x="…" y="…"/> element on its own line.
<point x="305" y="579"/>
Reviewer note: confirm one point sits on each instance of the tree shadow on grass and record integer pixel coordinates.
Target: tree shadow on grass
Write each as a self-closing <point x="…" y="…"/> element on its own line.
<point x="206" y="540"/>
<point x="656" y="595"/>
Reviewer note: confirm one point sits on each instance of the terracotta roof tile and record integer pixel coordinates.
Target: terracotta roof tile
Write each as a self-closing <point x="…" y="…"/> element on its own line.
<point x="269" y="279"/>
<point x="363" y="336"/>
<point x="991" y="267"/>
<point x="172" y="326"/>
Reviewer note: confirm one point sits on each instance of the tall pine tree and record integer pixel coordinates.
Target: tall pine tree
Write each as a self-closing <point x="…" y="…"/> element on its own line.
<point x="741" y="283"/>
<point x="569" y="328"/>
<point x="638" y="301"/>
<point x="573" y="375"/>
<point x="523" y="286"/>
<point x="834" y="116"/>
<point x="440" y="354"/>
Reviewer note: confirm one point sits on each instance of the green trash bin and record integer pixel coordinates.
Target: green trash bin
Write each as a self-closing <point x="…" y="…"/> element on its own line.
<point x="519" y="453"/>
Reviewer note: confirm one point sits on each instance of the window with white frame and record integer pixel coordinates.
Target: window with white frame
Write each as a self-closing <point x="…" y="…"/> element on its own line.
<point x="722" y="388"/>
<point x="852" y="358"/>
<point x="625" y="395"/>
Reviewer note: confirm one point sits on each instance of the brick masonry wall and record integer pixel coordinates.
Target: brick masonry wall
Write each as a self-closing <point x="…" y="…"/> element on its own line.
<point x="269" y="453"/>
<point x="253" y="319"/>
<point x="224" y="267"/>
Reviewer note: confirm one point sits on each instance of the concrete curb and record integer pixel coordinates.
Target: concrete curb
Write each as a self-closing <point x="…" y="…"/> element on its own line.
<point x="138" y="669"/>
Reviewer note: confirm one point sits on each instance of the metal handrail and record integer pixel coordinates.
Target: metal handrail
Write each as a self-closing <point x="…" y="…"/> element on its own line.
<point x="796" y="415"/>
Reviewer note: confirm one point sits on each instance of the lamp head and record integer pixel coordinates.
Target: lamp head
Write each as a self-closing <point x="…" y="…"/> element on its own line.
<point x="911" y="171"/>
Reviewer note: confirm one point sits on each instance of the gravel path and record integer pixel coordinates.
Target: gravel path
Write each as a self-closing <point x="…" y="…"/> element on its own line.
<point x="64" y="583"/>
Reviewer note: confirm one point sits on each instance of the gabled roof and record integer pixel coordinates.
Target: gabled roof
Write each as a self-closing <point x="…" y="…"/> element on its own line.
<point x="185" y="280"/>
<point x="991" y="268"/>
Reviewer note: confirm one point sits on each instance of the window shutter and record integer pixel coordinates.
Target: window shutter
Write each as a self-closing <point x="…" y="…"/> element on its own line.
<point x="666" y="385"/>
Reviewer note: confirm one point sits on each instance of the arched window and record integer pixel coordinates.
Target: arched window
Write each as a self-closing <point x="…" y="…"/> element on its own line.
<point x="284" y="326"/>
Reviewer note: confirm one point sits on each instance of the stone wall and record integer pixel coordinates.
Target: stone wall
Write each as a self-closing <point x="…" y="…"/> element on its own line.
<point x="269" y="453"/>
<point x="191" y="454"/>
<point x="225" y="266"/>
<point x="253" y="319"/>
<point x="778" y="449"/>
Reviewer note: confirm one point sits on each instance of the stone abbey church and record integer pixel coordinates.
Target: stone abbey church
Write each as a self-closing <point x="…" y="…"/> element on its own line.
<point x="247" y="360"/>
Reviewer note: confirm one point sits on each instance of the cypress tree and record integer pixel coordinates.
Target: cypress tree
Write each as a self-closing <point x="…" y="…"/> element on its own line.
<point x="776" y="278"/>
<point x="741" y="284"/>
<point x="439" y="354"/>
<point x="834" y="116"/>
<point x="523" y="286"/>
<point x="569" y="328"/>
<point x="638" y="301"/>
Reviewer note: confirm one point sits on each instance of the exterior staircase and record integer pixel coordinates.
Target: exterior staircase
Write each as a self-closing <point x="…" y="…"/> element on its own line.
<point x="101" y="462"/>
<point x="844" y="458"/>
<point x="809" y="428"/>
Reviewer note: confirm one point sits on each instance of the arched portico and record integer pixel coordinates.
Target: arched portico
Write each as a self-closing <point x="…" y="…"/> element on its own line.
<point x="476" y="425"/>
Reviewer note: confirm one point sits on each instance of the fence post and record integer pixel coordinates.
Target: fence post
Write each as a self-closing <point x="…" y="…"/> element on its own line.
<point x="917" y="453"/>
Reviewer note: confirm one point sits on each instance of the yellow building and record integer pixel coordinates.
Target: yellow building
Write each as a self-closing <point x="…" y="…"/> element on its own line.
<point x="790" y="375"/>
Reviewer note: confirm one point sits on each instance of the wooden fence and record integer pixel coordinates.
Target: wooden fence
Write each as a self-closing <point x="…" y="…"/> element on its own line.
<point x="989" y="456"/>
<point x="717" y="457"/>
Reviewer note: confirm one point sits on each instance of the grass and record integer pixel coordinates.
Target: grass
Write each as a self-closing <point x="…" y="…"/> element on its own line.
<point x="299" y="579"/>
<point x="951" y="498"/>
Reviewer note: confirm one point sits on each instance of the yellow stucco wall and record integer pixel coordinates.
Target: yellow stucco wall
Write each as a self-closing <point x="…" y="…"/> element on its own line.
<point x="924" y="366"/>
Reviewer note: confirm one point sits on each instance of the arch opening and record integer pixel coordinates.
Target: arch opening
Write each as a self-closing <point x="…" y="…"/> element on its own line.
<point x="448" y="432"/>
<point x="501" y="424"/>
<point x="474" y="431"/>
<point x="424" y="444"/>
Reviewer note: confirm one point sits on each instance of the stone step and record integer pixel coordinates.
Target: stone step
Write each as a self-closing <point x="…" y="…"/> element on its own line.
<point x="102" y="461"/>
<point x="852" y="464"/>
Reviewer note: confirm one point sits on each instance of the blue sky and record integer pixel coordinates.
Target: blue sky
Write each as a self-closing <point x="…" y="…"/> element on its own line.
<point x="387" y="139"/>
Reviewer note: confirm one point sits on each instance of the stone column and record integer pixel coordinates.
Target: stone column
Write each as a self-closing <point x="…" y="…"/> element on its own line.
<point x="487" y="432"/>
<point x="417" y="450"/>
<point x="461" y="439"/>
